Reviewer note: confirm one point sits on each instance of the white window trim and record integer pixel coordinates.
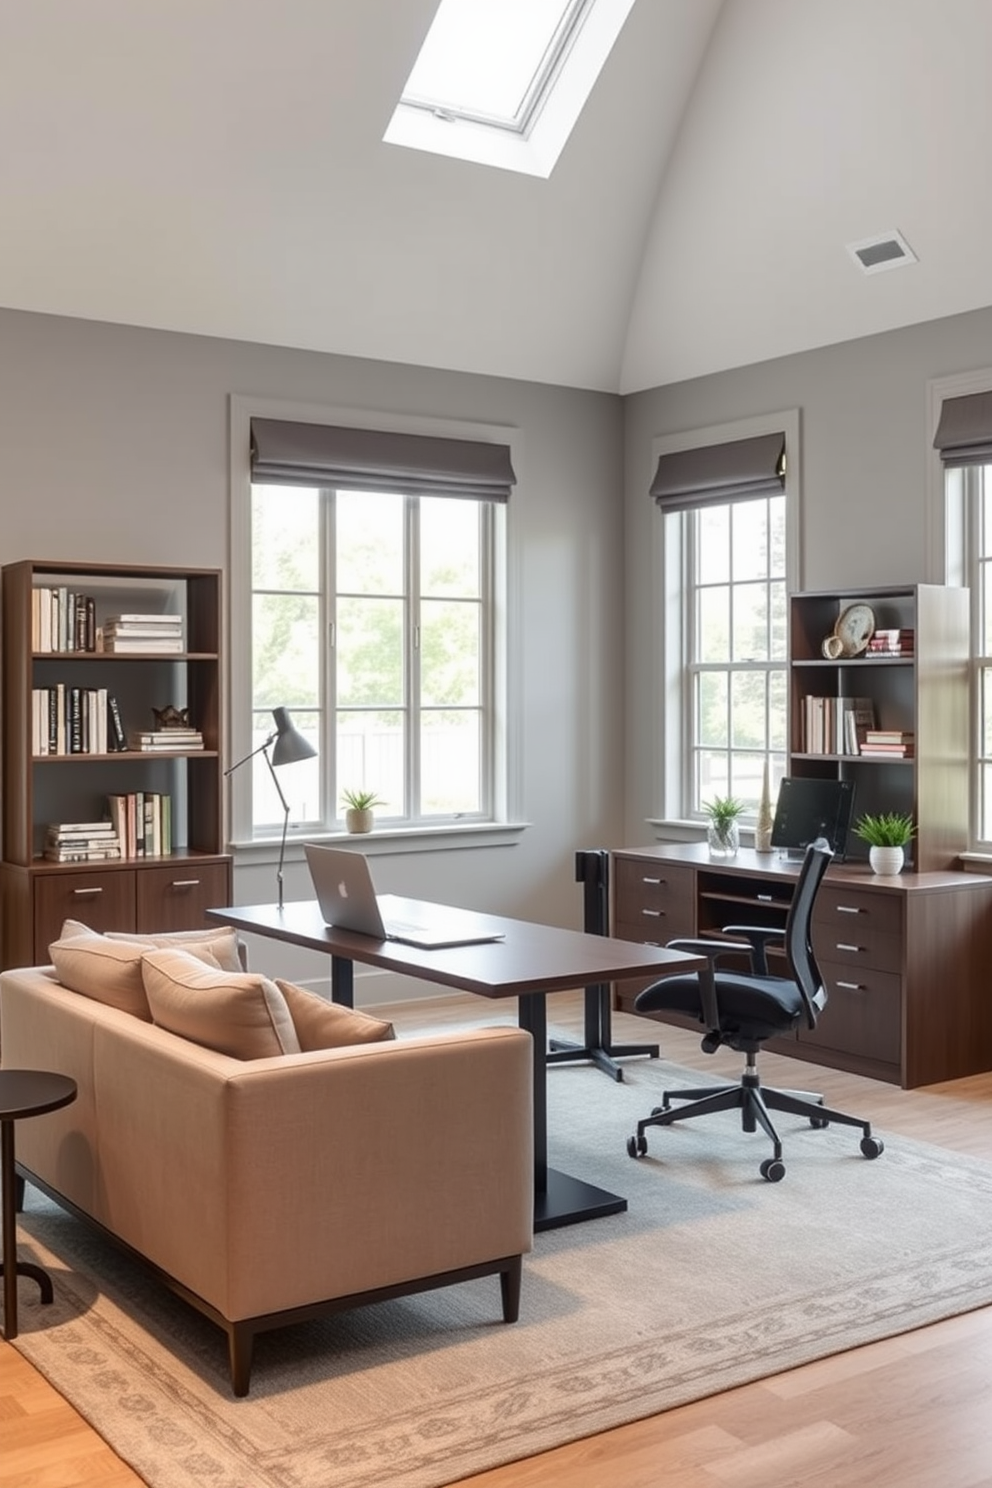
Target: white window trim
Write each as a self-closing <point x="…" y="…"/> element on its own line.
<point x="946" y="531"/>
<point x="669" y="724"/>
<point x="507" y="773"/>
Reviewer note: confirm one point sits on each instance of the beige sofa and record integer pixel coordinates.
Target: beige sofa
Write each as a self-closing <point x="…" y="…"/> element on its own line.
<point x="267" y="1191"/>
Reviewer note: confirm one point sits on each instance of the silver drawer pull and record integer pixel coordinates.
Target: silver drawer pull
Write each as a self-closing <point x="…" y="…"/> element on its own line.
<point x="83" y="893"/>
<point x="655" y="914"/>
<point x="184" y="883"/>
<point x="655" y="881"/>
<point x="850" y="986"/>
<point x="842" y="947"/>
<point x="849" y="909"/>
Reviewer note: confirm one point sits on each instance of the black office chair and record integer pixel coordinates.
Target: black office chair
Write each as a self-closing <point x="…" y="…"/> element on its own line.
<point x="742" y="1010"/>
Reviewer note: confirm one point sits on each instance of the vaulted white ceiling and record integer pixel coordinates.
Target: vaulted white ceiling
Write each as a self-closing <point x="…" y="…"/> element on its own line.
<point x="217" y="166"/>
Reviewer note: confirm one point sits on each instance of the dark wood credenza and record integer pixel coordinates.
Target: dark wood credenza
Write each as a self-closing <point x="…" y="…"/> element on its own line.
<point x="907" y="961"/>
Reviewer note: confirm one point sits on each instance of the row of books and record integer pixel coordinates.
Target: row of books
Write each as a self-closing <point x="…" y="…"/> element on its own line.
<point x="133" y="634"/>
<point x="75" y="720"/>
<point x="143" y="823"/>
<point x="62" y="620"/>
<point x="892" y="642"/>
<point x="81" y="842"/>
<point x="832" y="725"/>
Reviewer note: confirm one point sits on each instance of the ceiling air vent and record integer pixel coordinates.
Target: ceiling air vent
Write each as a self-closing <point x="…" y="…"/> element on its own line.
<point x="886" y="251"/>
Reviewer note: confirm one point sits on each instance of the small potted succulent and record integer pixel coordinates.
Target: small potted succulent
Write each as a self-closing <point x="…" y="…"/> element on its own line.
<point x="359" y="815"/>
<point x="887" y="835"/>
<point x="723" y="834"/>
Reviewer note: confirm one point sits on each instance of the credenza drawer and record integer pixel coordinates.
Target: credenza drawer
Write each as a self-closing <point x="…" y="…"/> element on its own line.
<point x="842" y="907"/>
<point x="863" y="1014"/>
<point x="101" y="899"/>
<point x="174" y="897"/>
<point x="652" y="902"/>
<point x="856" y="945"/>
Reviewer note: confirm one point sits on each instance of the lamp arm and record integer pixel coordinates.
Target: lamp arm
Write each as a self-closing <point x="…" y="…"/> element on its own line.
<point x="285" y="814"/>
<point x="238" y="763"/>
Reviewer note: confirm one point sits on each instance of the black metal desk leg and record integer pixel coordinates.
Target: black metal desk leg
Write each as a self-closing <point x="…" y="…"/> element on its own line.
<point x="558" y="1198"/>
<point x="343" y="980"/>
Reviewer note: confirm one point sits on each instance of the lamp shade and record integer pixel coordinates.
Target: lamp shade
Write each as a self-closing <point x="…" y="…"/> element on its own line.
<point x="290" y="745"/>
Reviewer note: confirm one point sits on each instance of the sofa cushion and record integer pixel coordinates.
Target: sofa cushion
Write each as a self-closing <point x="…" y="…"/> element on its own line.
<point x="222" y="940"/>
<point x="321" y="1024"/>
<point x="241" y="1013"/>
<point x="109" y="971"/>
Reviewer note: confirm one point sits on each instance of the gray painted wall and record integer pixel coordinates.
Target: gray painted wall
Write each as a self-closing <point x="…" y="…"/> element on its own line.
<point x="114" y="447"/>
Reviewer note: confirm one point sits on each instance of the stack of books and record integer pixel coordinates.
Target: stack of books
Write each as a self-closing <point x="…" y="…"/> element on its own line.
<point x="889" y="743"/>
<point x="892" y="643"/>
<point x="131" y="634"/>
<point x="143" y="823"/>
<point x="81" y="842"/>
<point x="166" y="739"/>
<point x="836" y="725"/>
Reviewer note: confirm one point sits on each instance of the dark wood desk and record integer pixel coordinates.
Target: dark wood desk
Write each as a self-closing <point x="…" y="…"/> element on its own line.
<point x="531" y="961"/>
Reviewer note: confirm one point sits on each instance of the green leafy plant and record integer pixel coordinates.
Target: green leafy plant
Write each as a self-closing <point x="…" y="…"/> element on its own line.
<point x="361" y="800"/>
<point x="722" y="810"/>
<point x="888" y="829"/>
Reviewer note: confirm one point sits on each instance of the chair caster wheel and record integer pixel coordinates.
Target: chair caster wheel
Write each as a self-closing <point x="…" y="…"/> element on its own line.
<point x="818" y="1122"/>
<point x="637" y="1146"/>
<point x="872" y="1147"/>
<point x="772" y="1169"/>
<point x="659" y="1110"/>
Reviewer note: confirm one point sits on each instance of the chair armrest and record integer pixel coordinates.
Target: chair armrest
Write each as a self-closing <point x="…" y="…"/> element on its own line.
<point x="759" y="938"/>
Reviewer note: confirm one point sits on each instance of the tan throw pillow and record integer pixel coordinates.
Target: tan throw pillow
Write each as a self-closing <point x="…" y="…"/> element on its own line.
<point x="321" y="1024"/>
<point x="109" y="971"/>
<point x="223" y="942"/>
<point x="237" y="1013"/>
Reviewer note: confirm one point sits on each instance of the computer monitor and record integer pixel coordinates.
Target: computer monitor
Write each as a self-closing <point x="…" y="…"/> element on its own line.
<point x="807" y="809"/>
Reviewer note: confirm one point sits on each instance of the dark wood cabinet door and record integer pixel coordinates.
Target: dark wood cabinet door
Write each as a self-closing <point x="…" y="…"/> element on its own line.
<point x="174" y="897"/>
<point x="103" y="900"/>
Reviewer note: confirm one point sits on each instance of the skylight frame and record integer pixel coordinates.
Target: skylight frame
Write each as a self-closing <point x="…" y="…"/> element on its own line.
<point x="553" y="115"/>
<point x="547" y="70"/>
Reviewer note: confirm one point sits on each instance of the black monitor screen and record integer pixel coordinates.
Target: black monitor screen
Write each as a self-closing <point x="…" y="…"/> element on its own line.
<point x="807" y="809"/>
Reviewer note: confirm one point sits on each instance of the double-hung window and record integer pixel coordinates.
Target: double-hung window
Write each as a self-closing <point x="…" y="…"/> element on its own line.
<point x="376" y="618"/>
<point x="963" y="441"/>
<point x="726" y="541"/>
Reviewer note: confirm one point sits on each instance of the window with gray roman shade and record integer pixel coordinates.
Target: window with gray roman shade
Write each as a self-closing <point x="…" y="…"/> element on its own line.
<point x="299" y="454"/>
<point x="715" y="473"/>
<point x="964" y="433"/>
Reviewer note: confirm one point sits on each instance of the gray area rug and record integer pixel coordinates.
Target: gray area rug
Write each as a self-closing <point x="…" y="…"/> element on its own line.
<point x="711" y="1279"/>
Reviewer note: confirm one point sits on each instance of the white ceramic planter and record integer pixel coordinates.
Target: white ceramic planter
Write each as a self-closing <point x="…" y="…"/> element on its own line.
<point x="359" y="821"/>
<point x="886" y="860"/>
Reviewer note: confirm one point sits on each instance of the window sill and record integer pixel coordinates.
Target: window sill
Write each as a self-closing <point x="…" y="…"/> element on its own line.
<point x="387" y="840"/>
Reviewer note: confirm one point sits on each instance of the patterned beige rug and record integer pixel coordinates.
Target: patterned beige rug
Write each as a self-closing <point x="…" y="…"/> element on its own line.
<point x="712" y="1278"/>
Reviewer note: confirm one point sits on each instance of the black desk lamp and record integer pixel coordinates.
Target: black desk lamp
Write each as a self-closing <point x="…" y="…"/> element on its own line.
<point x="289" y="746"/>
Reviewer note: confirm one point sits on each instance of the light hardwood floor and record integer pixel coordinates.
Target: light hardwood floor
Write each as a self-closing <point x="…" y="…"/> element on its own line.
<point x="910" y="1412"/>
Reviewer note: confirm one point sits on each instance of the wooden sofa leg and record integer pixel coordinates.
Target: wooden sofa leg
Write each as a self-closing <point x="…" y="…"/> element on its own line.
<point x="240" y="1346"/>
<point x="509" y="1282"/>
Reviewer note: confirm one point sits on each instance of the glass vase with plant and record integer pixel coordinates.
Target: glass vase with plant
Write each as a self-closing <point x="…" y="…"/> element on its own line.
<point x="723" y="834"/>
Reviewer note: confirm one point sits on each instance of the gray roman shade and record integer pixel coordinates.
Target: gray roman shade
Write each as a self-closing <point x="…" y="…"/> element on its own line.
<point x="964" y="433"/>
<point x="291" y="454"/>
<point x="720" y="472"/>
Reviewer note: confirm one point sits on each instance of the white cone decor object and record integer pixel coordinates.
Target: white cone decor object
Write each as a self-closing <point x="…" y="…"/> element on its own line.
<point x="886" y="860"/>
<point x="763" y="825"/>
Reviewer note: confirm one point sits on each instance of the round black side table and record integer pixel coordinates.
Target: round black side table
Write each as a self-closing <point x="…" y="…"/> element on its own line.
<point x="22" y="1093"/>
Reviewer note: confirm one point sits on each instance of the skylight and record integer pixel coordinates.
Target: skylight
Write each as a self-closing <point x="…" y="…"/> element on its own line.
<point x="502" y="82"/>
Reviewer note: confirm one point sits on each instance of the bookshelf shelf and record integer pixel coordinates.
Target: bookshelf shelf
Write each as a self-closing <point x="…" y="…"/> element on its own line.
<point x="133" y="892"/>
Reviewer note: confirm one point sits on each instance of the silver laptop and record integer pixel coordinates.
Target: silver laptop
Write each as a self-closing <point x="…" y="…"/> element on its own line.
<point x="346" y="894"/>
